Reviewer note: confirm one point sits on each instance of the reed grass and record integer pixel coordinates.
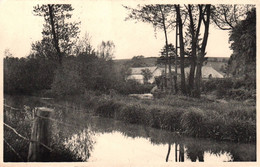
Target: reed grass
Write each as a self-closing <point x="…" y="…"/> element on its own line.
<point x="233" y="121"/>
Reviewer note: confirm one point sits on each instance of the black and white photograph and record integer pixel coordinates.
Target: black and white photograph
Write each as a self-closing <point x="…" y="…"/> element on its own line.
<point x="128" y="83"/>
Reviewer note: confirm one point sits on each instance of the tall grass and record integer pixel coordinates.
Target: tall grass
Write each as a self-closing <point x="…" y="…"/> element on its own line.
<point x="194" y="117"/>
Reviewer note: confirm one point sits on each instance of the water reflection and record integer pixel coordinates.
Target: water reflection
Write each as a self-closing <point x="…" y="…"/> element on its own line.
<point x="82" y="137"/>
<point x="80" y="144"/>
<point x="175" y="148"/>
<point x="179" y="152"/>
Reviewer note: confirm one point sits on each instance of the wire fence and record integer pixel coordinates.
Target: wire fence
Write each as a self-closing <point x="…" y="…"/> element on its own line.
<point x="32" y="112"/>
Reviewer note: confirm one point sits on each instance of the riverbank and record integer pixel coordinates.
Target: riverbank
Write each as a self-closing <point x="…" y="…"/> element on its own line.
<point x="73" y="117"/>
<point x="232" y="121"/>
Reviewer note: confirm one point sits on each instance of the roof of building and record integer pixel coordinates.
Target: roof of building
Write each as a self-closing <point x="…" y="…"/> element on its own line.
<point x="206" y="71"/>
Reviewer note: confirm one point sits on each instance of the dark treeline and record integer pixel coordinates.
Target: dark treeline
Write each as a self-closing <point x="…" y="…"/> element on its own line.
<point x="27" y="75"/>
<point x="36" y="75"/>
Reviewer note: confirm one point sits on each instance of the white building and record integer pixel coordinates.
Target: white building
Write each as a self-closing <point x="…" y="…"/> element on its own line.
<point x="136" y="73"/>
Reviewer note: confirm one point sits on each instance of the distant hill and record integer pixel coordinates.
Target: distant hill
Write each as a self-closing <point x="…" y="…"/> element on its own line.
<point x="215" y="62"/>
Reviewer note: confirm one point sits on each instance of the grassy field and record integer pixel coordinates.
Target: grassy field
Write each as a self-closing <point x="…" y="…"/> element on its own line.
<point x="232" y="121"/>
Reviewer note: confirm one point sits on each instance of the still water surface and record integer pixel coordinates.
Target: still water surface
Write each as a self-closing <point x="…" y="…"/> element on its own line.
<point x="95" y="139"/>
<point x="117" y="141"/>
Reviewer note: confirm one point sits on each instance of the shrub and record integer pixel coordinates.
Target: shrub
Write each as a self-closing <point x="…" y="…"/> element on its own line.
<point x="156" y="118"/>
<point x="135" y="114"/>
<point x="238" y="89"/>
<point x="209" y="85"/>
<point x="108" y="109"/>
<point x="134" y="87"/>
<point x="171" y="119"/>
<point x="192" y="122"/>
<point x="67" y="82"/>
<point x="241" y="131"/>
<point x="241" y="94"/>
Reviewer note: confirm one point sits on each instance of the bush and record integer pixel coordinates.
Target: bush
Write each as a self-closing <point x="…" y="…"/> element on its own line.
<point x="67" y="82"/>
<point x="171" y="119"/>
<point x="192" y="121"/>
<point x="108" y="109"/>
<point x="232" y="121"/>
<point x="209" y="85"/>
<point x="135" y="114"/>
<point x="27" y="75"/>
<point x="241" y="131"/>
<point x="238" y="89"/>
<point x="241" y="94"/>
<point x="134" y="87"/>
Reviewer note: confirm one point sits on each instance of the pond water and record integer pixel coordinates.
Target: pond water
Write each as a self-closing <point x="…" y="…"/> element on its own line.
<point x="95" y="139"/>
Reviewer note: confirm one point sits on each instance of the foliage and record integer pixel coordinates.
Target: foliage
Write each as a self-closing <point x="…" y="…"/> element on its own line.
<point x="231" y="88"/>
<point x="67" y="81"/>
<point x="106" y="50"/>
<point x="147" y="74"/>
<point x="232" y="121"/>
<point x="137" y="61"/>
<point x="243" y="38"/>
<point x="84" y="72"/>
<point x="57" y="27"/>
<point x="133" y="87"/>
<point x="84" y="45"/>
<point x="43" y="49"/>
<point x="152" y="14"/>
<point x="226" y="16"/>
<point x="192" y="122"/>
<point x="160" y="16"/>
<point x="27" y="75"/>
<point x="171" y="52"/>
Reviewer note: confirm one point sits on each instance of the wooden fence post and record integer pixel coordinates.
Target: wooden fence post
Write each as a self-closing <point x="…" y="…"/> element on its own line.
<point x="39" y="137"/>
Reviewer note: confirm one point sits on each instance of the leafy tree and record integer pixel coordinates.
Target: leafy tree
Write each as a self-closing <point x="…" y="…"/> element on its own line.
<point x="43" y="49"/>
<point x="198" y="50"/>
<point x="84" y="45"/>
<point x="57" y="27"/>
<point x="7" y="53"/>
<point x="226" y="16"/>
<point x="147" y="74"/>
<point x="243" y="44"/>
<point x="137" y="61"/>
<point x="67" y="80"/>
<point x="106" y="50"/>
<point x="159" y="16"/>
<point x="27" y="75"/>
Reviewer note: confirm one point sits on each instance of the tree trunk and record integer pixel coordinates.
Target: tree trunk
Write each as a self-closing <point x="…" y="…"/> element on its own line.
<point x="183" y="85"/>
<point x="167" y="52"/>
<point x="192" y="74"/>
<point x="203" y="49"/>
<point x="194" y="47"/>
<point x="198" y="79"/>
<point x="176" y="58"/>
<point x="54" y="33"/>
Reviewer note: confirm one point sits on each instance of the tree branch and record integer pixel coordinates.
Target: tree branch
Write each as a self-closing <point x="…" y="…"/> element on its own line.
<point x="55" y="38"/>
<point x="225" y="16"/>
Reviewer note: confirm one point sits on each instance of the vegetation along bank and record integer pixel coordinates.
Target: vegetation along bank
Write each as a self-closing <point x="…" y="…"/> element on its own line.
<point x="232" y="121"/>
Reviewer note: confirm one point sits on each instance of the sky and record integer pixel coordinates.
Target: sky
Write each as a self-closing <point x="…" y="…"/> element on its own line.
<point x="103" y="20"/>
